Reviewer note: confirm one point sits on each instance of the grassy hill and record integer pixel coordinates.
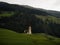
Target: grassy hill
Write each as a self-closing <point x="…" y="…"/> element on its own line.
<point x="8" y="37"/>
<point x="51" y="19"/>
<point x="6" y="14"/>
<point x="20" y="21"/>
<point x="17" y="18"/>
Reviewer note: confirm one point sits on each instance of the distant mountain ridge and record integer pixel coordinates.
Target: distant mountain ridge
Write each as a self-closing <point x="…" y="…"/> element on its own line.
<point x="27" y="9"/>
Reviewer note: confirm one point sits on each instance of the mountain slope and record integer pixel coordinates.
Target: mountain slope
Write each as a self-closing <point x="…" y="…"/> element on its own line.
<point x="41" y="20"/>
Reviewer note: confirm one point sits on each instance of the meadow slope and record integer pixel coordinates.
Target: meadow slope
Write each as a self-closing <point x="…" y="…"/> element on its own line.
<point x="8" y="37"/>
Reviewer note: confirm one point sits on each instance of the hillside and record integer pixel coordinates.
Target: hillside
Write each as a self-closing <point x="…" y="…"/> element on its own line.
<point x="19" y="17"/>
<point x="8" y="37"/>
<point x="27" y="9"/>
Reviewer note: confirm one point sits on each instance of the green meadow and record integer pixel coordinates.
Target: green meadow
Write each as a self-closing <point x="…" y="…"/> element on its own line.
<point x="8" y="37"/>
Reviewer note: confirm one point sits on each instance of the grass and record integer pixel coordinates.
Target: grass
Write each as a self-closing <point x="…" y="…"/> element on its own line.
<point x="8" y="37"/>
<point x="7" y="14"/>
<point x="50" y="19"/>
